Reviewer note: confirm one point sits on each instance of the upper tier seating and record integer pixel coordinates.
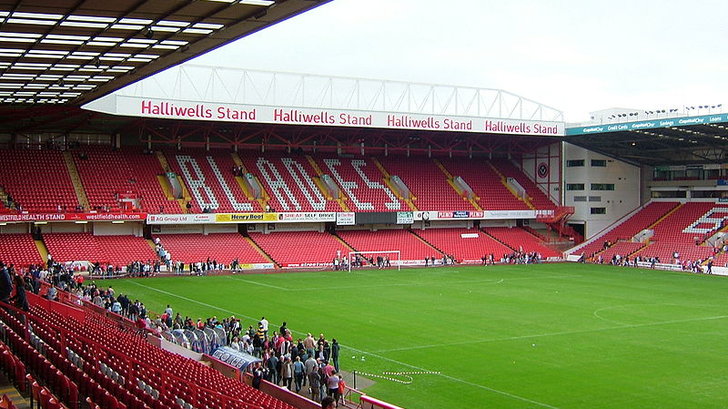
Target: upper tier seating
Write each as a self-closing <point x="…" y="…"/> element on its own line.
<point x="222" y="247"/>
<point x="410" y="247"/>
<point x="644" y="218"/>
<point x="19" y="249"/>
<point x="300" y="249"/>
<point x="362" y="183"/>
<point x="538" y="198"/>
<point x="115" y="250"/>
<point x="519" y="239"/>
<point x="485" y="183"/>
<point x="38" y="180"/>
<point x="427" y="183"/>
<point x="106" y="173"/>
<point x="288" y="179"/>
<point x="464" y="249"/>
<point x="210" y="181"/>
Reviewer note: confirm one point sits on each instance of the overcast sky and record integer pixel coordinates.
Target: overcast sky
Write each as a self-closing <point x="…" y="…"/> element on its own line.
<point x="576" y="56"/>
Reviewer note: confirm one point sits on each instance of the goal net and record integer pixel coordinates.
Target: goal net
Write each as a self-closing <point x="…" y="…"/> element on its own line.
<point x="377" y="259"/>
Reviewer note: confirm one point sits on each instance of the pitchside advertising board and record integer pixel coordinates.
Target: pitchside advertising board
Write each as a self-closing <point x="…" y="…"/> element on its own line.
<point x="649" y="124"/>
<point x="344" y="218"/>
<point x="210" y="111"/>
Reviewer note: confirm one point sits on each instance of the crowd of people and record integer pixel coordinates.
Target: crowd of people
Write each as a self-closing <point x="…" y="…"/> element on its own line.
<point x="517" y="257"/>
<point x="304" y="365"/>
<point x="695" y="266"/>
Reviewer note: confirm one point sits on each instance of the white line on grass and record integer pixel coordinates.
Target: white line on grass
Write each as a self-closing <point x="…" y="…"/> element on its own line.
<point x="416" y="283"/>
<point x="234" y="278"/>
<point x="204" y="304"/>
<point x="394" y="361"/>
<point x="551" y="334"/>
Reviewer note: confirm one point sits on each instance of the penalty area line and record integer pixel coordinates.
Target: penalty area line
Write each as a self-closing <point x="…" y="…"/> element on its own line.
<point x="235" y="278"/>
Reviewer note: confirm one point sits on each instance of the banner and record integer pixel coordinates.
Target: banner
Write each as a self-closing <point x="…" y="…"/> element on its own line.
<point x="345" y="219"/>
<point x="405" y="218"/>
<point x="210" y="111"/>
<point x="477" y="215"/>
<point x="648" y="124"/>
<point x="256" y="266"/>
<point x="235" y="358"/>
<point x="69" y="217"/>
<point x="204" y="218"/>
<point x="245" y="217"/>
<point x="293" y="217"/>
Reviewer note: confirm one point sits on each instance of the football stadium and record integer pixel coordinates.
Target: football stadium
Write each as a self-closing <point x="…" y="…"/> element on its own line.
<point x="179" y="235"/>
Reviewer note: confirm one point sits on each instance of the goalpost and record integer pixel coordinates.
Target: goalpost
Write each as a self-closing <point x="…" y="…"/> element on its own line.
<point x="393" y="255"/>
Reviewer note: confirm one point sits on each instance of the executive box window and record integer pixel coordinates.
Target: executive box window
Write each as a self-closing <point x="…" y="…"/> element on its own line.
<point x="574" y="186"/>
<point x="574" y="163"/>
<point x="602" y="186"/>
<point x="601" y="163"/>
<point x="598" y="210"/>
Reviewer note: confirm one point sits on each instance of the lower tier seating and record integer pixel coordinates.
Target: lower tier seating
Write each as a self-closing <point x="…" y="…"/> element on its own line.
<point x="222" y="247"/>
<point x="114" y="250"/>
<point x="462" y="244"/>
<point x="410" y="247"/>
<point x="19" y="249"/>
<point x="301" y="249"/>
<point x="521" y="240"/>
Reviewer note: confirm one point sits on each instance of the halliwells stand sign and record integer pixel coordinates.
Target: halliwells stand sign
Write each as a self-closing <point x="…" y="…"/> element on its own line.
<point x="210" y="111"/>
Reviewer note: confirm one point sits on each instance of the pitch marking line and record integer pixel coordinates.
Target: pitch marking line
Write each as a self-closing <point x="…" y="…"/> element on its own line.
<point x="234" y="278"/>
<point x="394" y="361"/>
<point x="550" y="334"/>
<point x="399" y="284"/>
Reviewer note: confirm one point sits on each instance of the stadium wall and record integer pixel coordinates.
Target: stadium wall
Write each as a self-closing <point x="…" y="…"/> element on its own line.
<point x="594" y="171"/>
<point x="543" y="166"/>
<point x="108" y="229"/>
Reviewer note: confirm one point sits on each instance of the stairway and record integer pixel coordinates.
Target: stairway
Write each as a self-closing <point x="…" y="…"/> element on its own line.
<point x="341" y="199"/>
<point x="450" y="182"/>
<point x="388" y="182"/>
<point x="42" y="249"/>
<point x="164" y="183"/>
<point x="525" y="200"/>
<point x="261" y="251"/>
<point x="76" y="180"/>
<point x="422" y="239"/>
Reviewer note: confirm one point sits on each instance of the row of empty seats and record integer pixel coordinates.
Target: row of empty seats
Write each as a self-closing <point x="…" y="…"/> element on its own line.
<point x="87" y="355"/>
<point x="682" y="233"/>
<point x="300" y="249"/>
<point x="40" y="181"/>
<point x="465" y="244"/>
<point x="486" y="184"/>
<point x="37" y="180"/>
<point x="221" y="247"/>
<point x="410" y="247"/>
<point x="19" y="249"/>
<point x="294" y="249"/>
<point x="106" y="173"/>
<point x="680" y="228"/>
<point x="624" y="231"/>
<point x="521" y="240"/>
<point x="115" y="250"/>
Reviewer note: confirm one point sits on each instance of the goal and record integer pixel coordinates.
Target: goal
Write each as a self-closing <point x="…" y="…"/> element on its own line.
<point x="365" y="256"/>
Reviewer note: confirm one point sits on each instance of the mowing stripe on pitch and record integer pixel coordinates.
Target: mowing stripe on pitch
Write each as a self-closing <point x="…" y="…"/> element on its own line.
<point x="394" y="361"/>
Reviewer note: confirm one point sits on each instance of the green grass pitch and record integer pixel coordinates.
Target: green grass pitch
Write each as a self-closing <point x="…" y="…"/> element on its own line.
<point x="561" y="336"/>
